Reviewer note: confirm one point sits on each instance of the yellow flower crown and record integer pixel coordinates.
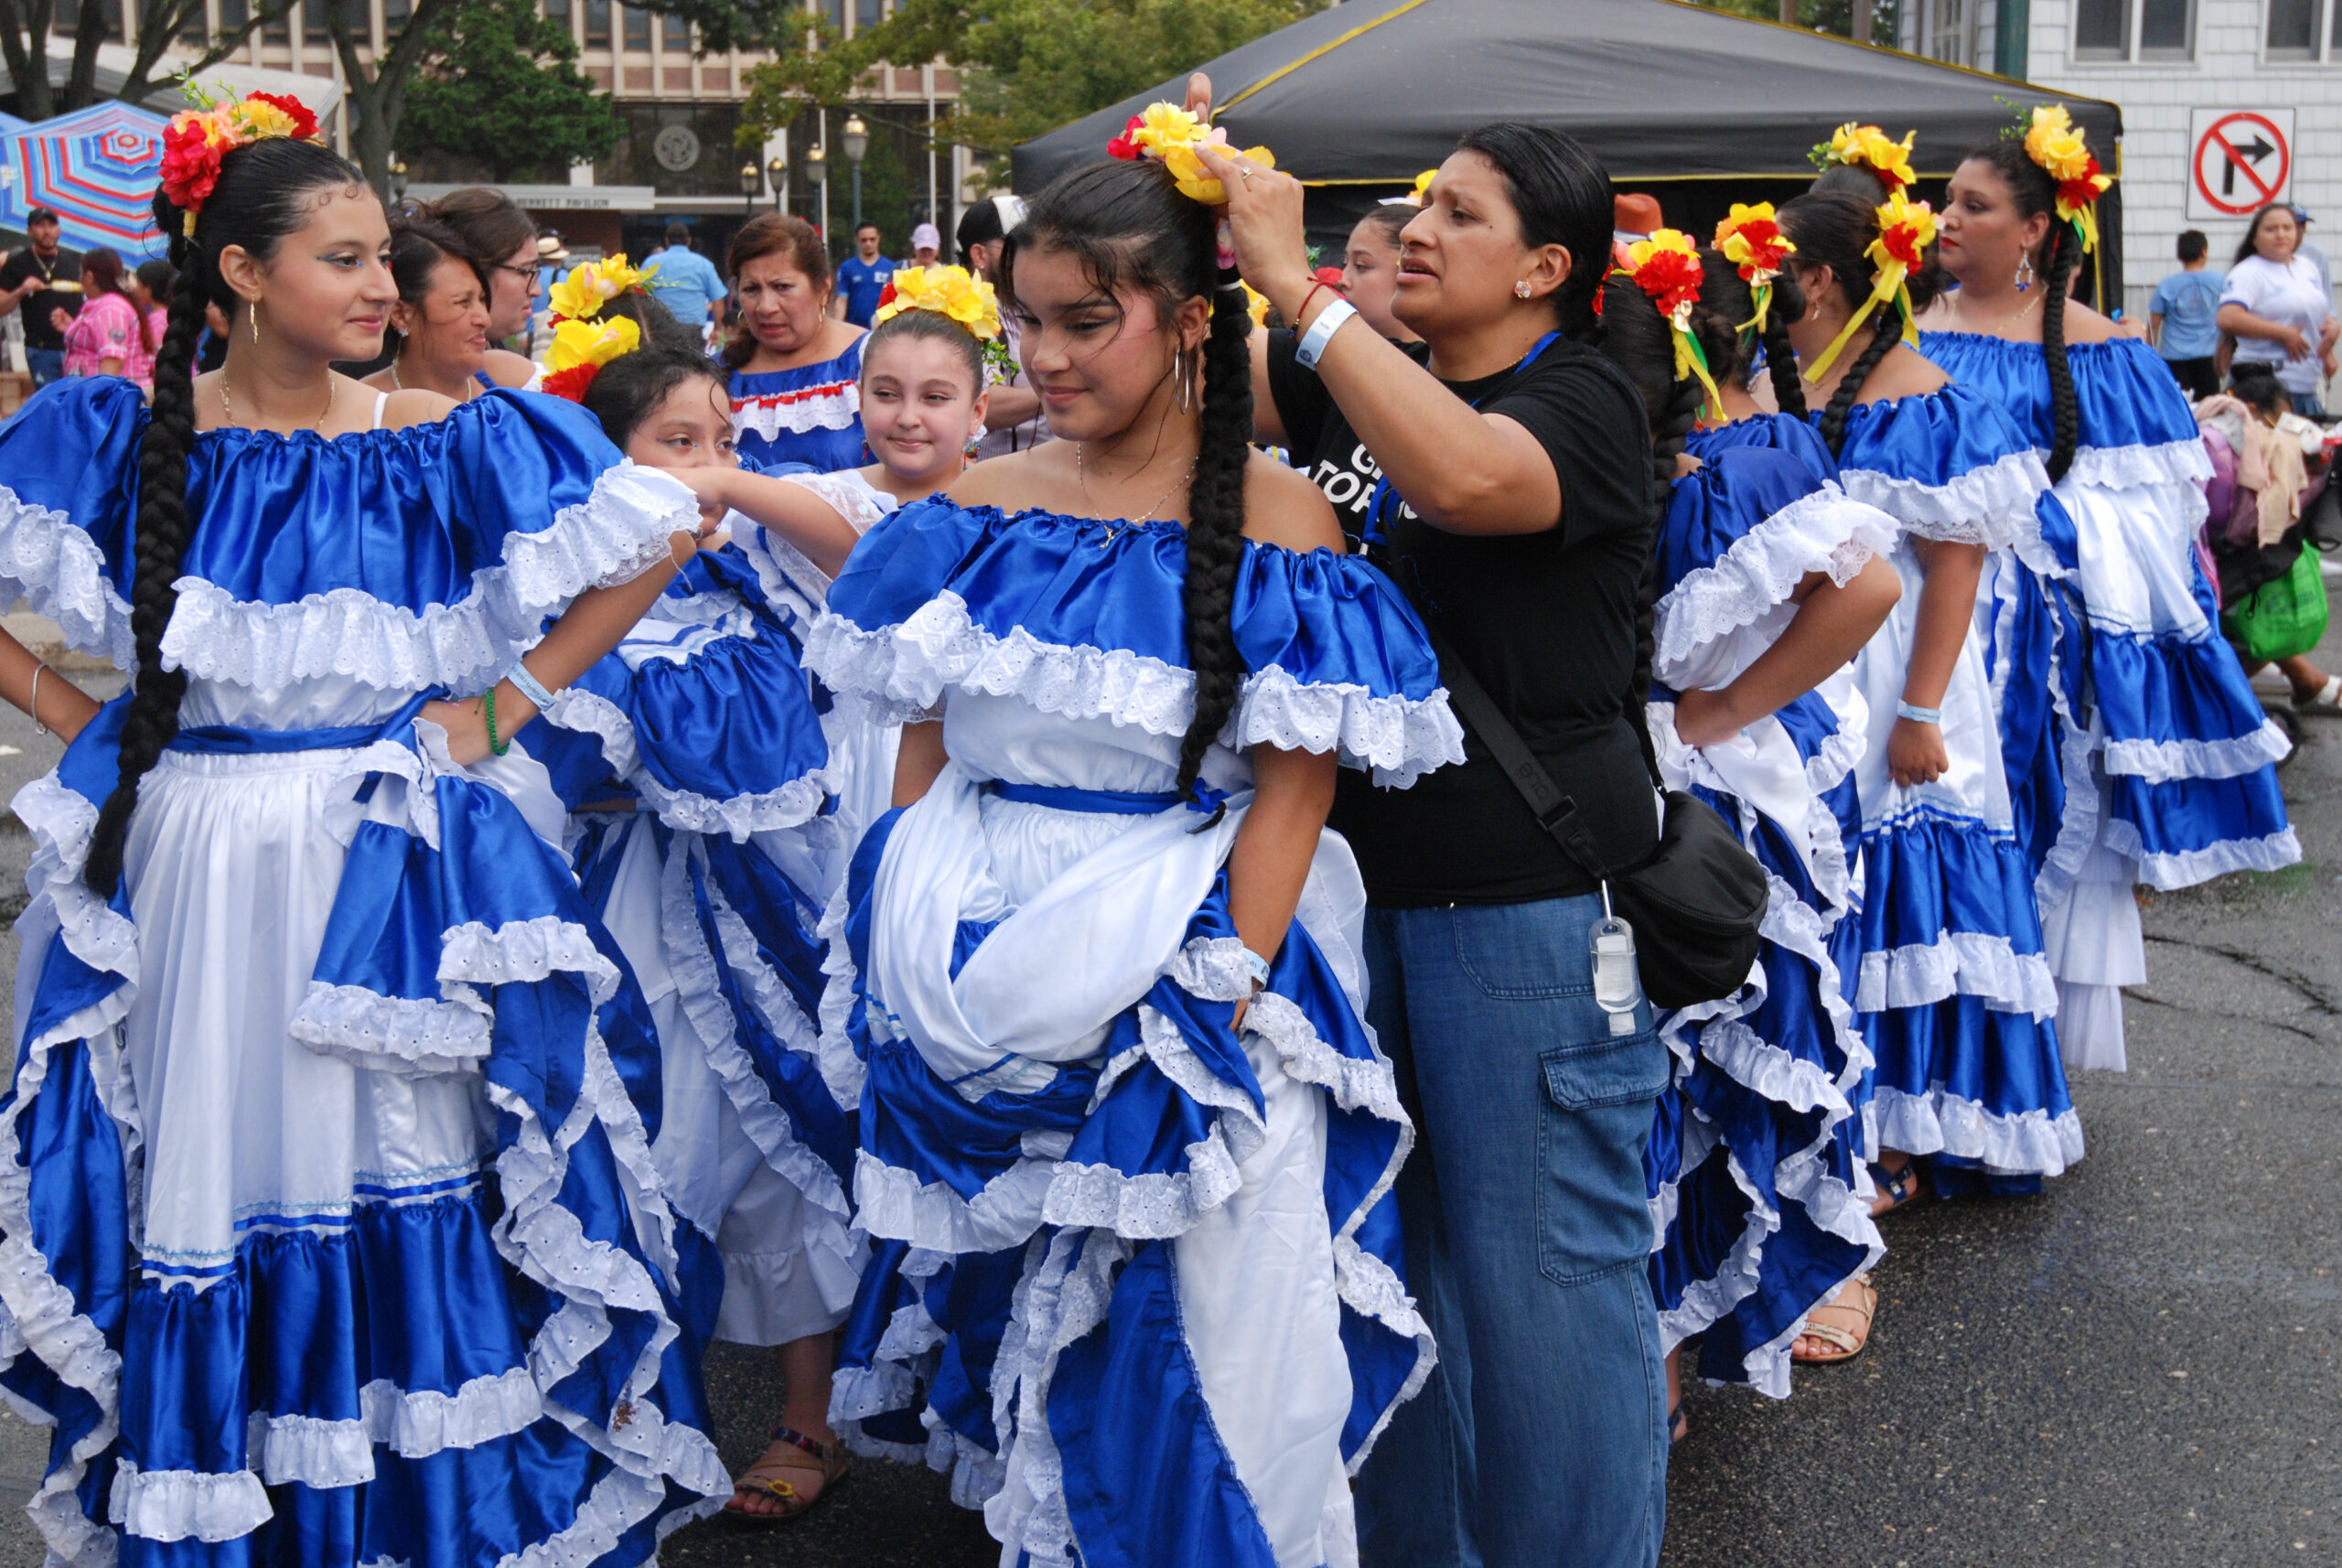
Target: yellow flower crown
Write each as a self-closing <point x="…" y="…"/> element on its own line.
<point x="1750" y="238"/>
<point x="592" y="284"/>
<point x="1906" y="230"/>
<point x="2057" y="144"/>
<point x="1866" y="146"/>
<point x="954" y="292"/>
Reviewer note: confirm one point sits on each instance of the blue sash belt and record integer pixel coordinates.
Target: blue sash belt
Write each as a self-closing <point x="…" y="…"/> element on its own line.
<point x="234" y="740"/>
<point x="1065" y="797"/>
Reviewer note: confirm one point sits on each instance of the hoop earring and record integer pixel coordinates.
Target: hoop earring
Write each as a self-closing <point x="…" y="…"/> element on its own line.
<point x="1185" y="397"/>
<point x="1520" y="288"/>
<point x="2024" y="273"/>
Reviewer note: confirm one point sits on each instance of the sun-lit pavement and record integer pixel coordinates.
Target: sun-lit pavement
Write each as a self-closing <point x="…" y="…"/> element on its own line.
<point x="2139" y="1370"/>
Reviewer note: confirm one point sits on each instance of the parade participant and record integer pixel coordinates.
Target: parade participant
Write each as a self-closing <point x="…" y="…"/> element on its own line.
<point x="2164" y="754"/>
<point x="1126" y="1142"/>
<point x="1370" y="268"/>
<point x="311" y="1039"/>
<point x="109" y="334"/>
<point x="795" y="369"/>
<point x="440" y="322"/>
<point x="1770" y="580"/>
<point x="150" y="290"/>
<point x="502" y="241"/>
<point x="1955" y="996"/>
<point x="1524" y="463"/>
<point x="684" y="281"/>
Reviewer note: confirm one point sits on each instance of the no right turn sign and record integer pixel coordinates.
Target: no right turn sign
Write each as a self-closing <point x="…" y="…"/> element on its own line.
<point x="2239" y="161"/>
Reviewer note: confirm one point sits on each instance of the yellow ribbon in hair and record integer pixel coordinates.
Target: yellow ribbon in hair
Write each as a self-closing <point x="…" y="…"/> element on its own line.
<point x="1906" y="230"/>
<point x="1667" y="268"/>
<point x="1751" y="238"/>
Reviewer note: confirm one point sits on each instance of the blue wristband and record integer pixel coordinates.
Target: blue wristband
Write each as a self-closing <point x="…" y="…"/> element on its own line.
<point x="1321" y="332"/>
<point x="1918" y="716"/>
<point x="1259" y="967"/>
<point x="529" y="686"/>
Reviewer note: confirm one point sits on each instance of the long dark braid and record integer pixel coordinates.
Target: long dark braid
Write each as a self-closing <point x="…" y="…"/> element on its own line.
<point x="2034" y="192"/>
<point x="256" y="205"/>
<point x="1834" y="229"/>
<point x="1127" y="225"/>
<point x="1781" y="360"/>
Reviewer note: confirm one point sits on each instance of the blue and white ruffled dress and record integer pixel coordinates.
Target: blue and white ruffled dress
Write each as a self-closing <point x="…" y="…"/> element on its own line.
<point x="332" y="1232"/>
<point x="1761" y="1199"/>
<point x="2165" y="757"/>
<point x="1956" y="994"/>
<point x="812" y="414"/>
<point x="1137" y="1278"/>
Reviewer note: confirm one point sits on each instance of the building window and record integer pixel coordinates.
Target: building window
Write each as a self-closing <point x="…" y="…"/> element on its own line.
<point x="234" y="16"/>
<point x="396" y="14"/>
<point x="637" y="29"/>
<point x="675" y="32"/>
<point x="2136" y="30"/>
<point x="866" y="14"/>
<point x="2298" y="30"/>
<point x="597" y="24"/>
<point x="557" y="11"/>
<point x="1948" y="37"/>
<point x="278" y="28"/>
<point x="196" y="29"/>
<point x="313" y="23"/>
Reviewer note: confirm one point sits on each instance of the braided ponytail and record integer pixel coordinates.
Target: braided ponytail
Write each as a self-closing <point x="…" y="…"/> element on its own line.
<point x="1216" y="527"/>
<point x="257" y="202"/>
<point x="1885" y="331"/>
<point x="2065" y="412"/>
<point x="1781" y="360"/>
<point x="1835" y="229"/>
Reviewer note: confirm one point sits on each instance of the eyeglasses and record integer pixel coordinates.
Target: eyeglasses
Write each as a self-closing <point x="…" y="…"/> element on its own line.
<point x="526" y="274"/>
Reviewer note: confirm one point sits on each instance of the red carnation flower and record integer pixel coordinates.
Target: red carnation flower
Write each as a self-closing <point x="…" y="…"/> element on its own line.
<point x="570" y="384"/>
<point x="887" y="294"/>
<point x="2080" y="192"/>
<point x="305" y="124"/>
<point x="1124" y="146"/>
<point x="190" y="165"/>
<point x="1903" y="244"/>
<point x="1672" y="278"/>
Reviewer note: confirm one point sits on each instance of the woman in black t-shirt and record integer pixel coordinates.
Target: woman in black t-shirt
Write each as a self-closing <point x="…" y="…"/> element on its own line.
<point x="1524" y="459"/>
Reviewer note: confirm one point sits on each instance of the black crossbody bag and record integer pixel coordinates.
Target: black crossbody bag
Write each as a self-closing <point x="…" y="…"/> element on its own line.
<point x="1695" y="904"/>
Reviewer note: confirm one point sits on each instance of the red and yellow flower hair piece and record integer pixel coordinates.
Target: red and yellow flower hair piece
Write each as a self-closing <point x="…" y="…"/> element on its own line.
<point x="197" y="138"/>
<point x="1666" y="268"/>
<point x="1906" y="230"/>
<point x="1750" y="238"/>
<point x="1866" y="146"/>
<point x="1170" y="135"/>
<point x="952" y="291"/>
<point x="2054" y="141"/>
<point x="583" y="342"/>
<point x="592" y="284"/>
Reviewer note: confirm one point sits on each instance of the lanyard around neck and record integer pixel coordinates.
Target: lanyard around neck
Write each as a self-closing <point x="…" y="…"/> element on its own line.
<point x="1374" y="532"/>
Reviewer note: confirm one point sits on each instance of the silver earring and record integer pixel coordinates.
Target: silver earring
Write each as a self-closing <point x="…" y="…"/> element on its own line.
<point x="1187" y="394"/>
<point x="1520" y="289"/>
<point x="2024" y="273"/>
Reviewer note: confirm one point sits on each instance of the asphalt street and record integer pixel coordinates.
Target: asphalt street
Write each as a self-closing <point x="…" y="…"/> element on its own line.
<point x="2141" y="1368"/>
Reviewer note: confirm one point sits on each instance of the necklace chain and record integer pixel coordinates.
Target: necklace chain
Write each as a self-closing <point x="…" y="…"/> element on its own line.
<point x="1081" y="478"/>
<point x="471" y="388"/>
<point x="228" y="404"/>
<point x="2017" y="316"/>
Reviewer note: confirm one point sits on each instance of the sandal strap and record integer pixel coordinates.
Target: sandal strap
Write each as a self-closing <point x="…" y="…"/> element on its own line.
<point x="1829" y="1336"/>
<point x="797" y="1439"/>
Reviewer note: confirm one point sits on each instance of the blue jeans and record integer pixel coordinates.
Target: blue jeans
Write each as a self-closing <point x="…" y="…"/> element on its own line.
<point x="1540" y="1440"/>
<point x="47" y="365"/>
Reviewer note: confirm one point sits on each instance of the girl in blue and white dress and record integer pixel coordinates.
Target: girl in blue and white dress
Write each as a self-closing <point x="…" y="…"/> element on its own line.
<point x="2161" y="766"/>
<point x="1770" y="579"/>
<point x="332" y="1232"/>
<point x="796" y="369"/>
<point x="1955" y="994"/>
<point x="1127" y="1147"/>
<point x="714" y="792"/>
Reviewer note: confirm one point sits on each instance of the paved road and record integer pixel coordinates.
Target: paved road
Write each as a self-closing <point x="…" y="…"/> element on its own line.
<point x="2139" y="1370"/>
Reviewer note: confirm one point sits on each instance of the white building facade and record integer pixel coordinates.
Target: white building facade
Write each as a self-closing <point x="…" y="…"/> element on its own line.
<point x="2170" y="63"/>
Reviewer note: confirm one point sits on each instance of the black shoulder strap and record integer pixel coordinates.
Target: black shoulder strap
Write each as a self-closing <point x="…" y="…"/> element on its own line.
<point x="1556" y="813"/>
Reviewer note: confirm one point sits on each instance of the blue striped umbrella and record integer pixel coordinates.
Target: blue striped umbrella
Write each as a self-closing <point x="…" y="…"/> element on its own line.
<point x="97" y="169"/>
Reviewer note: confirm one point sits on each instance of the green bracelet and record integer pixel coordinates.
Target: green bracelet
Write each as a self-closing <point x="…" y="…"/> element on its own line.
<point x="488" y="702"/>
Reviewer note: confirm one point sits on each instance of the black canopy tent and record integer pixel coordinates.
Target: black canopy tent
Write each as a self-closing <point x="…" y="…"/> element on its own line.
<point x="1697" y="106"/>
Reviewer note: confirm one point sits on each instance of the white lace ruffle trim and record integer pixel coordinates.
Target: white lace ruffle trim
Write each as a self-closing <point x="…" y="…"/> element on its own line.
<point x="2172" y="463"/>
<point x="1825" y="532"/>
<point x="60" y="570"/>
<point x="2161" y="761"/>
<point x="618" y="533"/>
<point x="1964" y="963"/>
<point x="900" y="670"/>
<point x="2187" y="868"/>
<point x="1992" y="506"/>
<point x="2031" y="1142"/>
<point x="830" y="405"/>
<point x="321" y="1453"/>
<point x="409" y="1036"/>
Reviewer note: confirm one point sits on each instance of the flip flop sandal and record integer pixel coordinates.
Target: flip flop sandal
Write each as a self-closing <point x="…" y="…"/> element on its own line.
<point x="1678" y="1429"/>
<point x="1846" y="1346"/>
<point x="2325" y="702"/>
<point x="829" y="1460"/>
<point x="1898" y="1188"/>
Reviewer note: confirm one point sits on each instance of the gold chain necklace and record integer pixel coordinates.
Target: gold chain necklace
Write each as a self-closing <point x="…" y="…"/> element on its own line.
<point x="2004" y="325"/>
<point x="227" y="405"/>
<point x="1113" y="530"/>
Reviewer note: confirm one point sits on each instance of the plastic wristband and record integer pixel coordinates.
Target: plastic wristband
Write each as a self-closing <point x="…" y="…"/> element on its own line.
<point x="1259" y="969"/>
<point x="1321" y="332"/>
<point x="1918" y="716"/>
<point x="529" y="686"/>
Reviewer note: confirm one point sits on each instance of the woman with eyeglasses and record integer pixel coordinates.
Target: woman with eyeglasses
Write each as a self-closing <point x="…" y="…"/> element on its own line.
<point x="503" y="240"/>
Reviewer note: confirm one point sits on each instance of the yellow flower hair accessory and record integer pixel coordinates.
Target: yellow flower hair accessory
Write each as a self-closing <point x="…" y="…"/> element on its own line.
<point x="592" y="284"/>
<point x="1170" y="135"/>
<point x="1666" y="268"/>
<point x="2053" y="141"/>
<point x="1866" y="146"/>
<point x="1906" y="230"/>
<point x="1422" y="192"/>
<point x="1256" y="306"/>
<point x="952" y="291"/>
<point x="197" y="138"/>
<point x="1750" y="238"/>
<point x="580" y="349"/>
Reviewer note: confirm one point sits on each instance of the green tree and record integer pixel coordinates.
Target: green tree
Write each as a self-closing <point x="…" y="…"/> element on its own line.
<point x="500" y="85"/>
<point x="1025" y="66"/>
<point x="23" y="37"/>
<point x="1822" y="16"/>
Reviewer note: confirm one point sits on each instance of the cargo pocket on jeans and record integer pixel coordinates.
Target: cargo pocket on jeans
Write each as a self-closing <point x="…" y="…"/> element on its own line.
<point x="1592" y="1212"/>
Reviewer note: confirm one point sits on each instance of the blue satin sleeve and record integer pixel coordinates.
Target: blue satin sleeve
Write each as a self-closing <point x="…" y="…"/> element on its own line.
<point x="1730" y="497"/>
<point x="69" y="504"/>
<point x="1931" y="439"/>
<point x="2123" y="396"/>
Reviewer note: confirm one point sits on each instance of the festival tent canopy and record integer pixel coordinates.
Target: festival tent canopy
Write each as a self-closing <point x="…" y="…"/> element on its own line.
<point x="1358" y="99"/>
<point x="97" y="169"/>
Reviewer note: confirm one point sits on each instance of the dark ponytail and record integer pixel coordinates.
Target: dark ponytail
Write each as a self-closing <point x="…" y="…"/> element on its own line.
<point x="2034" y="193"/>
<point x="1127" y="225"/>
<point x="1562" y="195"/>
<point x="258" y="201"/>
<point x="1781" y="360"/>
<point x="1834" y="229"/>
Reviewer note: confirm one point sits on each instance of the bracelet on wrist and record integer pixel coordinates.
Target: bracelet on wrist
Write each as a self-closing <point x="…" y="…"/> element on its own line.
<point x="487" y="707"/>
<point x="1258" y="968"/>
<point x="1918" y="716"/>
<point x="529" y="686"/>
<point x="1315" y="284"/>
<point x="1321" y="332"/>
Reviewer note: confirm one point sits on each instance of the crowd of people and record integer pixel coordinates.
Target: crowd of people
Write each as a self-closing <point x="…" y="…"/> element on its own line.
<point x="1049" y="840"/>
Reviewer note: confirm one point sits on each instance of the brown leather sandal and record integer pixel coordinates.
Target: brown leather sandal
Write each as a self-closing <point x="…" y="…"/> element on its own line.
<point x="1845" y="1344"/>
<point x="829" y="1460"/>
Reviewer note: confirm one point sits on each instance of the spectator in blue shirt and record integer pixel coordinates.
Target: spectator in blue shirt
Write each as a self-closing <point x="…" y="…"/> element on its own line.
<point x="2183" y="319"/>
<point x="862" y="278"/>
<point x="687" y="282"/>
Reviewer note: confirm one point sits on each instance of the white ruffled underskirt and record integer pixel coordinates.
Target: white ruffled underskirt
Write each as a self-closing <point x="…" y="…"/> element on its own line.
<point x="2032" y="1143"/>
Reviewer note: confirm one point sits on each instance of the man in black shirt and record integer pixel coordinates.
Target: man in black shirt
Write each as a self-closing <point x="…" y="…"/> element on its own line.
<point x="41" y="279"/>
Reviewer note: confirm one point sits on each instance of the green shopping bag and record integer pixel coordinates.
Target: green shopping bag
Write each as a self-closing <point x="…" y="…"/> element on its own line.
<point x="2281" y="618"/>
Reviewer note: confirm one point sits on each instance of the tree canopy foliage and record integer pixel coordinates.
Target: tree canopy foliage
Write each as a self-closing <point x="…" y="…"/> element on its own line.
<point x="499" y="84"/>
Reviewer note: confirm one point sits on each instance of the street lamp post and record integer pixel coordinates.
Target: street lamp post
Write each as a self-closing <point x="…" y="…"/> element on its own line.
<point x="397" y="178"/>
<point x="749" y="177"/>
<point x="817" y="169"/>
<point x="857" y="143"/>
<point x="779" y="171"/>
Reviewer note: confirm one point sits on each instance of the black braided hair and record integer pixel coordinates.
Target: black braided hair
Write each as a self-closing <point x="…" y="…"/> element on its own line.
<point x="1127" y="225"/>
<point x="1780" y="358"/>
<point x="260" y="199"/>
<point x="1562" y="195"/>
<point x="1833" y="229"/>
<point x="2034" y="192"/>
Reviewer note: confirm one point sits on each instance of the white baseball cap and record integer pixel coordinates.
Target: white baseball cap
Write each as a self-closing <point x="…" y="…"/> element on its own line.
<point x="925" y="238"/>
